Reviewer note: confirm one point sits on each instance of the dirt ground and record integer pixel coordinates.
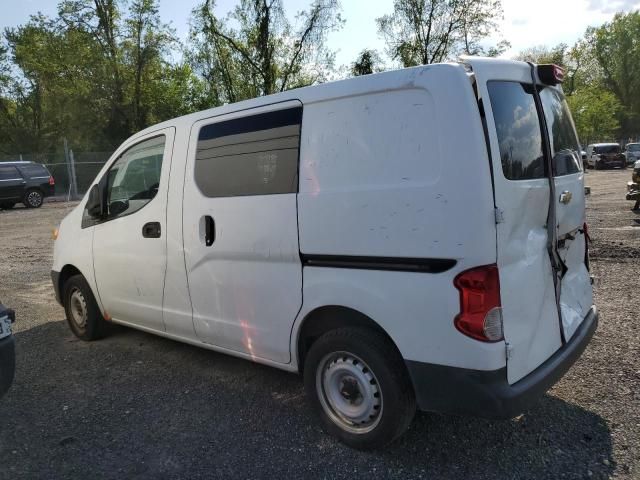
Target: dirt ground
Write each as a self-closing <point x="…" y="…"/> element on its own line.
<point x="139" y="406"/>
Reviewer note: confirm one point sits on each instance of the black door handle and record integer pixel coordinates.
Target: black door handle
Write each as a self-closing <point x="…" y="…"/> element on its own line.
<point x="151" y="230"/>
<point x="209" y="230"/>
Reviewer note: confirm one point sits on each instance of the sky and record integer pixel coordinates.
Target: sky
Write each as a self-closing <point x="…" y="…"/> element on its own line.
<point x="525" y="24"/>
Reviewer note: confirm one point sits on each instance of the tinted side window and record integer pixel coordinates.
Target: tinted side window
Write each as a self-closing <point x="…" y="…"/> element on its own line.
<point x="34" y="171"/>
<point x="518" y="129"/>
<point x="133" y="180"/>
<point x="9" y="172"/>
<point x="562" y="136"/>
<point x="256" y="155"/>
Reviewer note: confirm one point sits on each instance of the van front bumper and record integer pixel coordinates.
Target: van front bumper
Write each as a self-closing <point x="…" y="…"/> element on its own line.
<point x="488" y="394"/>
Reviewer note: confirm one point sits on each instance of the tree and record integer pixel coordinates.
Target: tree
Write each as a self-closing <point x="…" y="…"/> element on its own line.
<point x="542" y="54"/>
<point x="616" y="47"/>
<point x="595" y="112"/>
<point x="430" y="31"/>
<point x="368" y="62"/>
<point x="95" y="74"/>
<point x="262" y="53"/>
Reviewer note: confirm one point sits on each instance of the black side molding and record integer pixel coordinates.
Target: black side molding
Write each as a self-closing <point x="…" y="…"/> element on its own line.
<point x="397" y="264"/>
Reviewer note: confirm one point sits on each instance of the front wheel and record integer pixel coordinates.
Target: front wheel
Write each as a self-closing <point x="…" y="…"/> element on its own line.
<point x="7" y="206"/>
<point x="83" y="314"/>
<point x="358" y="384"/>
<point x="33" y="199"/>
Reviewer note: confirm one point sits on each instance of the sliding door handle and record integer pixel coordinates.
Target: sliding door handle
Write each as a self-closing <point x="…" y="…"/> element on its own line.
<point x="209" y="230"/>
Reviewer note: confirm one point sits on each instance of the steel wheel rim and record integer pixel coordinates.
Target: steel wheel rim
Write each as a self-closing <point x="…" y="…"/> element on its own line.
<point x="78" y="308"/>
<point x="34" y="199"/>
<point x="349" y="392"/>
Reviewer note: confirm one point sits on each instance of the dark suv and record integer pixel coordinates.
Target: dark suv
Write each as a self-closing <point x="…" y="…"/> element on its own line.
<point x="25" y="182"/>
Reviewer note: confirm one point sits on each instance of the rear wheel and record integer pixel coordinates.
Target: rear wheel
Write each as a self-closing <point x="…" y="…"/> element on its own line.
<point x="33" y="198"/>
<point x="83" y="314"/>
<point x="359" y="386"/>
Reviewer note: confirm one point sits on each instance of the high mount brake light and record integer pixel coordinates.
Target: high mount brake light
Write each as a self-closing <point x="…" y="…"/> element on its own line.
<point x="480" y="314"/>
<point x="550" y="74"/>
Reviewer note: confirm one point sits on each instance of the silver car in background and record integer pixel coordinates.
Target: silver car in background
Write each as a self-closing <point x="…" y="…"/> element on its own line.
<point x="632" y="153"/>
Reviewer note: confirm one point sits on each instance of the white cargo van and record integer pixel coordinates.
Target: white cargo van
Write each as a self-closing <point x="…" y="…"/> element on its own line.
<point x="409" y="239"/>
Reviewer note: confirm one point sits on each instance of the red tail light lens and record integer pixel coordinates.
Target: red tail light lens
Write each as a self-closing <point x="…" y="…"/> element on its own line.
<point x="51" y="180"/>
<point x="480" y="314"/>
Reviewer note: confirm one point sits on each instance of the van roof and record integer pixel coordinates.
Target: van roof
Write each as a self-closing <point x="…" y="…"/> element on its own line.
<point x="604" y="144"/>
<point x="341" y="88"/>
<point x="16" y="162"/>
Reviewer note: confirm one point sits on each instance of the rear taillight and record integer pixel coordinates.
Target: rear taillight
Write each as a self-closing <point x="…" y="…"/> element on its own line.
<point x="480" y="314"/>
<point x="51" y="180"/>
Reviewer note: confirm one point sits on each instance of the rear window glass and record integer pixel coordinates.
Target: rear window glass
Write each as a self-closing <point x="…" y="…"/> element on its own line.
<point x="607" y="149"/>
<point x="34" y="170"/>
<point x="562" y="135"/>
<point x="252" y="155"/>
<point x="633" y="147"/>
<point x="518" y="129"/>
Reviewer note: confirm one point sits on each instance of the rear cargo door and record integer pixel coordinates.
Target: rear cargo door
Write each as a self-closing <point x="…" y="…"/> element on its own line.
<point x="575" y="286"/>
<point x="526" y="208"/>
<point x="522" y="193"/>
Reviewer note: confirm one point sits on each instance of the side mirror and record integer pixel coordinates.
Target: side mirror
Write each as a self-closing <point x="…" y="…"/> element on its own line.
<point x="117" y="207"/>
<point x="94" y="203"/>
<point x="584" y="156"/>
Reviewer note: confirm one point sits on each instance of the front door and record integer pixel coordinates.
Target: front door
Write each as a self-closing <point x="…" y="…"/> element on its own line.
<point x="240" y="229"/>
<point x="130" y="246"/>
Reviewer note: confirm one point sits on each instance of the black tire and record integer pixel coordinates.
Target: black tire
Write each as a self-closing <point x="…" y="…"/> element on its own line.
<point x="78" y="301"/>
<point x="379" y="360"/>
<point x="33" y="198"/>
<point x="7" y="206"/>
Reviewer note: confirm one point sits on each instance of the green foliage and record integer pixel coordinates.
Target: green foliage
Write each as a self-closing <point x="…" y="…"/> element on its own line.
<point x="594" y="112"/>
<point x="94" y="75"/>
<point x="616" y="47"/>
<point x="368" y="62"/>
<point x="257" y="51"/>
<point x="420" y="32"/>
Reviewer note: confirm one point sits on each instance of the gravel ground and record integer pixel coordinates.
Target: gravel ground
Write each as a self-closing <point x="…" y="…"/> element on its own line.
<point x="139" y="406"/>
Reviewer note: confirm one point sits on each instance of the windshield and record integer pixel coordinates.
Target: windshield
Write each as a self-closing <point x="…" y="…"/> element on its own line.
<point x="564" y="143"/>
<point x="633" y="147"/>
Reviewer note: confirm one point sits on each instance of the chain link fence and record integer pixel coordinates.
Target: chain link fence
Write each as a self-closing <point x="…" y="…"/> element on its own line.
<point x="72" y="172"/>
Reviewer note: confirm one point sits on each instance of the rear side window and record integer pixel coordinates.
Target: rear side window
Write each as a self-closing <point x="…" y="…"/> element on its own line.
<point x="253" y="155"/>
<point x="518" y="129"/>
<point x="562" y="135"/>
<point x="34" y="171"/>
<point x="9" y="172"/>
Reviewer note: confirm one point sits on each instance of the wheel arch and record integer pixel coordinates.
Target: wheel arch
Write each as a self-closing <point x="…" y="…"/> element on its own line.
<point x="66" y="273"/>
<point x="330" y="317"/>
